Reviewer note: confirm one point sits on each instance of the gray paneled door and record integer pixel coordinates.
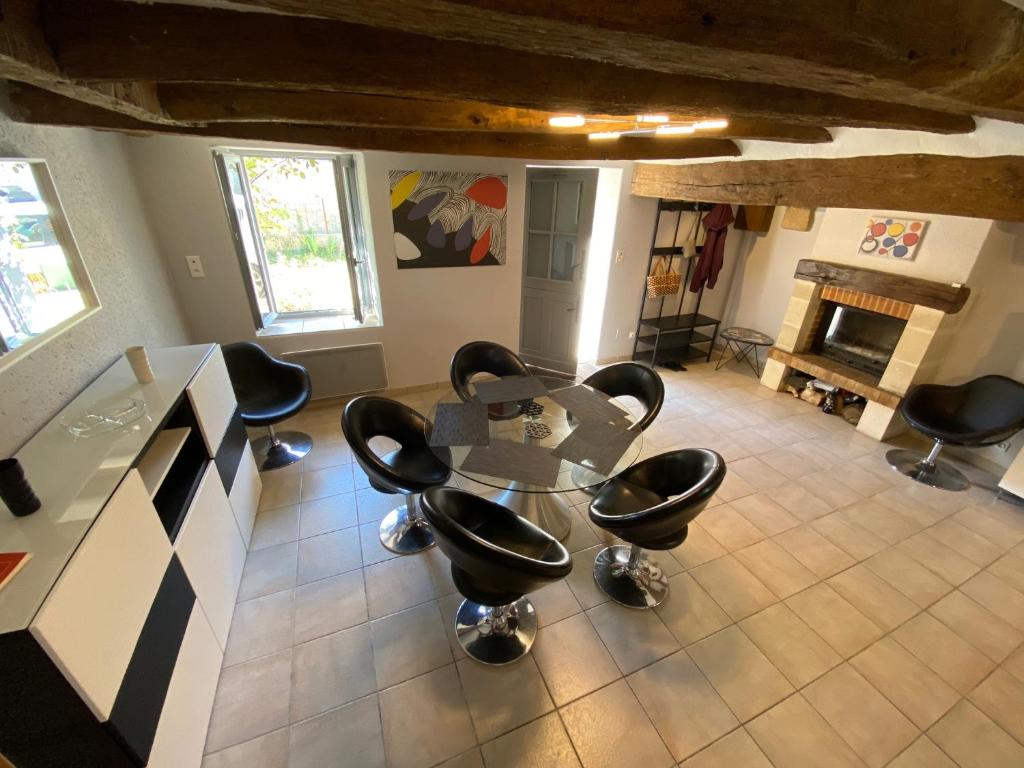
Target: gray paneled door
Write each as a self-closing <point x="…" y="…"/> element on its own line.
<point x="559" y="217"/>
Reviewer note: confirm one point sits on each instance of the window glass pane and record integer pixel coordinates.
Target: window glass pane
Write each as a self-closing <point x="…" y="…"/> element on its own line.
<point x="247" y="232"/>
<point x="537" y="249"/>
<point x="563" y="257"/>
<point x="567" y="210"/>
<point x="38" y="285"/>
<point x="541" y="197"/>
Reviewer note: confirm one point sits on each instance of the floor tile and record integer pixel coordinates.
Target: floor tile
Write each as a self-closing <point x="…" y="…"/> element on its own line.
<point x="861" y="715"/>
<point x="572" y="659"/>
<point x="966" y="542"/>
<point x="793" y="735"/>
<point x="502" y="698"/>
<point x="1015" y="664"/>
<point x="1010" y="568"/>
<point x="757" y="474"/>
<point x="818" y="554"/>
<point x="370" y="547"/>
<point x="426" y="720"/>
<point x="252" y="699"/>
<point x="408" y="643"/>
<point x="873" y="597"/>
<point x="328" y="554"/>
<point x="922" y="754"/>
<point x="742" y="675"/>
<point x="267" y="751"/>
<point x="689" y="612"/>
<point x="734" y="487"/>
<point x="372" y="505"/>
<point x="887" y="524"/>
<point x="469" y="759"/>
<point x="989" y="525"/>
<point x="918" y="692"/>
<point x="397" y="584"/>
<point x="275" y="526"/>
<point x="581" y="579"/>
<point x="977" y="625"/>
<point x="329" y="605"/>
<point x="729" y="527"/>
<point x="825" y="486"/>
<point x="968" y="736"/>
<point x="998" y="596"/>
<point x="776" y="568"/>
<point x="331" y="513"/>
<point x="841" y="530"/>
<point x="543" y="742"/>
<point x="944" y="652"/>
<point x="554" y="602"/>
<point x="907" y="575"/>
<point x="609" y="728"/>
<point x="268" y="570"/>
<point x="635" y="638"/>
<point x="327" y="454"/>
<point x="700" y="547"/>
<point x="937" y="557"/>
<point x="737" y="750"/>
<point x="800" y="502"/>
<point x="326" y="482"/>
<point x="686" y="710"/>
<point x="793" y="647"/>
<point x="841" y="625"/>
<point x="331" y="671"/>
<point x="733" y="587"/>
<point x="1001" y="697"/>
<point x="260" y="627"/>
<point x="766" y="515"/>
<point x="347" y="737"/>
<point x="279" y="489"/>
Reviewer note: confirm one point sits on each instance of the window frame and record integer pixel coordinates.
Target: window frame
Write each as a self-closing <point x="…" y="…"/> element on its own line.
<point x="362" y="282"/>
<point x="76" y="264"/>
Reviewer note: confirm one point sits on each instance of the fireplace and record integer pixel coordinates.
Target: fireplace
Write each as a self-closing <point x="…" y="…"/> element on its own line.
<point x="857" y="337"/>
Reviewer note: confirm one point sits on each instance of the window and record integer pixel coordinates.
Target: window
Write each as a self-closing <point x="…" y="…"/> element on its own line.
<point x="44" y="287"/>
<point x="299" y="236"/>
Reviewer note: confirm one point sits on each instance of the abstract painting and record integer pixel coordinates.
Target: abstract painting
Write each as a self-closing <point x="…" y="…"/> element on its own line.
<point x="448" y="218"/>
<point x="892" y="238"/>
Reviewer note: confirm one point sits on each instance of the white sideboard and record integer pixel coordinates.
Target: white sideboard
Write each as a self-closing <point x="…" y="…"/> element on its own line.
<point x="112" y="636"/>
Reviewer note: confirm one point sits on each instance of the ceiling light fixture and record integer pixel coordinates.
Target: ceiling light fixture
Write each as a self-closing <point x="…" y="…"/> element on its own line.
<point x="604" y="135"/>
<point x="703" y="125"/>
<point x="652" y="118"/>
<point x="674" y="130"/>
<point x="566" y="121"/>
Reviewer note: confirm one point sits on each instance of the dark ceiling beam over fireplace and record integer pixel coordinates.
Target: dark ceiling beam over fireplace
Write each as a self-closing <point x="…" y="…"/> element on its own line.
<point x="983" y="187"/>
<point x="946" y="297"/>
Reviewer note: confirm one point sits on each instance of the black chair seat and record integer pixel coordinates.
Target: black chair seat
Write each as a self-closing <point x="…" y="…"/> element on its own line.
<point x="268" y="390"/>
<point x="417" y="470"/>
<point x="984" y="411"/>
<point x="272" y="408"/>
<point x="632" y="380"/>
<point x="482" y="357"/>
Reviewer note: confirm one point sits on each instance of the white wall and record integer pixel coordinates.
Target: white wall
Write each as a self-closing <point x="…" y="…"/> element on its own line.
<point x="97" y="189"/>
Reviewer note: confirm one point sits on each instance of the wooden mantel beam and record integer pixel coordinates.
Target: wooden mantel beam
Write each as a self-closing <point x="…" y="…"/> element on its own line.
<point x="103" y="41"/>
<point x="983" y="187"/>
<point x="967" y="54"/>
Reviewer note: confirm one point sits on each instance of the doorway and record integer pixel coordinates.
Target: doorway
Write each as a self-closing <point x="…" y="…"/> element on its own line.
<point x="559" y="219"/>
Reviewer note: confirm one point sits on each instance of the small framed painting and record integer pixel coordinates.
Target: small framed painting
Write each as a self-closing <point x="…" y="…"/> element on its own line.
<point x="892" y="238"/>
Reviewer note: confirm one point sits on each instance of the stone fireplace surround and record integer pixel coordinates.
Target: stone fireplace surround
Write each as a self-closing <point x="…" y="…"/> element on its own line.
<point x="929" y="308"/>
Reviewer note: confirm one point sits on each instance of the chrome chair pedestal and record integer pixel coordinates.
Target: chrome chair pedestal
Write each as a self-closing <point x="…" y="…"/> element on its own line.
<point x="496" y="635"/>
<point x="404" y="531"/>
<point x="280" y="449"/>
<point x="927" y="468"/>
<point x="629" y="577"/>
<point x="587" y="481"/>
<point x="548" y="510"/>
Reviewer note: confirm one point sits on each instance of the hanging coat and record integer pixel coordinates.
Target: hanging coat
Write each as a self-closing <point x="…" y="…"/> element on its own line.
<point x="709" y="263"/>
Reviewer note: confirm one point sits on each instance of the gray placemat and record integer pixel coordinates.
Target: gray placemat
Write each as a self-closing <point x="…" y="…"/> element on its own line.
<point x="596" y="445"/>
<point x="460" y="424"/>
<point x="509" y="388"/>
<point x="587" y="404"/>
<point x="514" y="461"/>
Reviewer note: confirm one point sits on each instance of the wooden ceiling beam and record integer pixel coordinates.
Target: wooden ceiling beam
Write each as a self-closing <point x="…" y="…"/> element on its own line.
<point x="32" y="105"/>
<point x="964" y="54"/>
<point x="205" y="103"/>
<point x="102" y="41"/>
<point x="982" y="187"/>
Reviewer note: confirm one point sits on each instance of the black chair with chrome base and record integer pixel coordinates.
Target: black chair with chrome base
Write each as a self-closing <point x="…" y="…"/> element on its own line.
<point x="984" y="411"/>
<point x="269" y="391"/>
<point x="497" y="558"/>
<point x="650" y="506"/>
<point x="624" y="380"/>
<point x="484" y="357"/>
<point x="410" y="469"/>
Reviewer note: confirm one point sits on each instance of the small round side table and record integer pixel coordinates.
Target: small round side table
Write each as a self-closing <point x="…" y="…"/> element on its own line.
<point x="741" y="342"/>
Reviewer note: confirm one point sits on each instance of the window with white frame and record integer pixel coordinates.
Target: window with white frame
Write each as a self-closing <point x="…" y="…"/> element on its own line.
<point x="298" y="232"/>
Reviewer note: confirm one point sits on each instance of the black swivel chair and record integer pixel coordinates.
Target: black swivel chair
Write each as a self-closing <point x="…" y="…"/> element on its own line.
<point x="497" y="558"/>
<point x="269" y="391"/>
<point x="410" y="469"/>
<point x="650" y="506"/>
<point x="485" y="357"/>
<point x="985" y="411"/>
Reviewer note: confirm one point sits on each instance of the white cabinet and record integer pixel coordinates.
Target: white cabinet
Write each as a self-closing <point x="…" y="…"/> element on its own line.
<point x="1013" y="480"/>
<point x="212" y="551"/>
<point x="181" y="735"/>
<point x="91" y="620"/>
<point x="245" y="494"/>
<point x="213" y="399"/>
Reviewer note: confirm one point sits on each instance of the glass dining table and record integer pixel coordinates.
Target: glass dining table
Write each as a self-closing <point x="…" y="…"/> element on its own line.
<point x="533" y="450"/>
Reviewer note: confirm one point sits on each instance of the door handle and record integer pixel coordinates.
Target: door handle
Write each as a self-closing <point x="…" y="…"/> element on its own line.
<point x="571" y="309"/>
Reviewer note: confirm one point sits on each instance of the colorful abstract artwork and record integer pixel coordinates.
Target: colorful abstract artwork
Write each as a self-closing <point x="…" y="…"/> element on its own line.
<point x="448" y="218"/>
<point x="892" y="238"/>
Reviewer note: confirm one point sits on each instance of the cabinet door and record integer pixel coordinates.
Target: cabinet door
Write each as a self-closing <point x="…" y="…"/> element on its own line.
<point x="213" y="553"/>
<point x="245" y="494"/>
<point x="181" y="734"/>
<point x="92" y="618"/>
<point x="213" y="399"/>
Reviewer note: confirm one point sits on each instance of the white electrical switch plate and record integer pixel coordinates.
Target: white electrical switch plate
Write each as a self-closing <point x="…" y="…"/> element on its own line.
<point x="619" y="256"/>
<point x="195" y="266"/>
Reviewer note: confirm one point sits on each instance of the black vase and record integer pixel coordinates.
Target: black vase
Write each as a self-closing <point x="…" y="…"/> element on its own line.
<point x="15" y="491"/>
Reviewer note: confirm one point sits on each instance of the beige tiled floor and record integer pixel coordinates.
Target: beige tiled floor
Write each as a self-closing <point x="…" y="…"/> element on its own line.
<point x="824" y="611"/>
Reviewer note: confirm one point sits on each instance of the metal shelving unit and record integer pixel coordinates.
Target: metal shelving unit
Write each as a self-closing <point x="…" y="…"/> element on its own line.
<point x="681" y="336"/>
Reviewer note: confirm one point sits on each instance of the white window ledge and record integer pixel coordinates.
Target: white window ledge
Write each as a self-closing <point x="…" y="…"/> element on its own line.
<point x="293" y="326"/>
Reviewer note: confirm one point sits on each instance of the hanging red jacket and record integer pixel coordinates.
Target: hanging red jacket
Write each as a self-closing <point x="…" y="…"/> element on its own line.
<point x="709" y="263"/>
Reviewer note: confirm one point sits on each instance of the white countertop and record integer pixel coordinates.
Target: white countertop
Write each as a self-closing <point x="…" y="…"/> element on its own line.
<point x="74" y="477"/>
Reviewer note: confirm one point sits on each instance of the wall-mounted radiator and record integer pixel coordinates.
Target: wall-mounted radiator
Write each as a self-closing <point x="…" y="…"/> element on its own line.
<point x="337" y="371"/>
